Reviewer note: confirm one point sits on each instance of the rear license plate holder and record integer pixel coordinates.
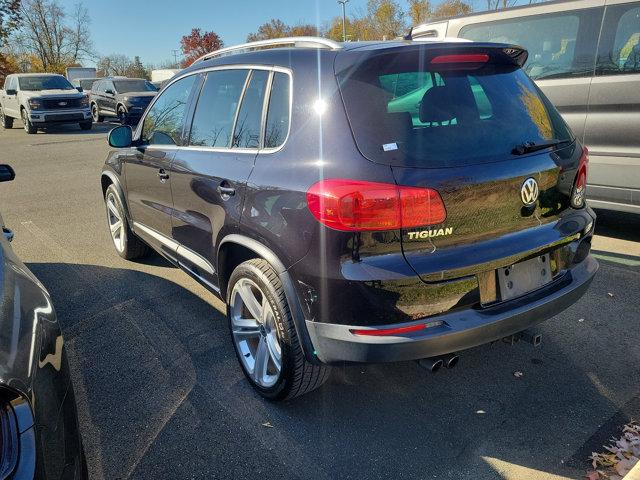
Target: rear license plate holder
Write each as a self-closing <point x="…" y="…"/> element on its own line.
<point x="524" y="277"/>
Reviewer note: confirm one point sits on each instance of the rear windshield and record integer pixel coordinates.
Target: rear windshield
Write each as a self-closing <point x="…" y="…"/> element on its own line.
<point x="46" y="82"/>
<point x="127" y="86"/>
<point x="405" y="111"/>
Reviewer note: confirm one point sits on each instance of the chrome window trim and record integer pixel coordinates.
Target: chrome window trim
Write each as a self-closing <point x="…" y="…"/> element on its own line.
<point x="271" y="68"/>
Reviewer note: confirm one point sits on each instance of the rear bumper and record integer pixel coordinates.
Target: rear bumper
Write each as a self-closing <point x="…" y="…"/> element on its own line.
<point x="459" y="330"/>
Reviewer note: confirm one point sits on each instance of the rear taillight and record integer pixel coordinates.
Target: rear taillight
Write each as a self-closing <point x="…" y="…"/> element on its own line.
<point x="579" y="192"/>
<point x="354" y="205"/>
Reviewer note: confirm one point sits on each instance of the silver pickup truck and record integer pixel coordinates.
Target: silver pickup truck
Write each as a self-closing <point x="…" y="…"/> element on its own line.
<point x="41" y="100"/>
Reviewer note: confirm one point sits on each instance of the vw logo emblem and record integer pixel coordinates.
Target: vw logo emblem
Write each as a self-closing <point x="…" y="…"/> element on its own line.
<point x="529" y="192"/>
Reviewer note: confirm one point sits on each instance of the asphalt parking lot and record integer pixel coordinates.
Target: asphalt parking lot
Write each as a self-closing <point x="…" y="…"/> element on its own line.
<point x="160" y="394"/>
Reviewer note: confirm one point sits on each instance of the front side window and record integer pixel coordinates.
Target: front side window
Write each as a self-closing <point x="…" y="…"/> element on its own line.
<point x="249" y="121"/>
<point x="163" y="123"/>
<point x="216" y="109"/>
<point x="619" y="50"/>
<point x="45" y="82"/>
<point x="559" y="44"/>
<point x="277" y="126"/>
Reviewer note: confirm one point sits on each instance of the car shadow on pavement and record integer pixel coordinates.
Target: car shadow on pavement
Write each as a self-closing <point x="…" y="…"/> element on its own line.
<point x="622" y="225"/>
<point x="73" y="128"/>
<point x="160" y="394"/>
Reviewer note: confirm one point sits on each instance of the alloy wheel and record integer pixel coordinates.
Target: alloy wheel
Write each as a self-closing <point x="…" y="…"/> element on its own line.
<point x="116" y="223"/>
<point x="25" y="120"/>
<point x="94" y="113"/>
<point x="254" y="331"/>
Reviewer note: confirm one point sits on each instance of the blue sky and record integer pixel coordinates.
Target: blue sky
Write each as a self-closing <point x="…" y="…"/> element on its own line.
<point x="152" y="28"/>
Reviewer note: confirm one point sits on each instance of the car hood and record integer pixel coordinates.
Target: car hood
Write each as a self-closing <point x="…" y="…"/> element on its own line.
<point x="27" y="320"/>
<point x="52" y="94"/>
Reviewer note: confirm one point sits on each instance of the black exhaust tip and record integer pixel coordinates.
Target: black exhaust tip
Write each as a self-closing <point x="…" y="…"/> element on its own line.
<point x="431" y="364"/>
<point x="451" y="360"/>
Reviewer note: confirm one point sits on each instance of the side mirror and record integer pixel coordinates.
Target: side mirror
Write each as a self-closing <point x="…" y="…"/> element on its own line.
<point x="11" y="92"/>
<point x="80" y="89"/>
<point x="6" y="173"/>
<point x="121" y="137"/>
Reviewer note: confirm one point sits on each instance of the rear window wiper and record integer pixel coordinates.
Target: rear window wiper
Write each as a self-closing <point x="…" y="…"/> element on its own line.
<point x="528" y="147"/>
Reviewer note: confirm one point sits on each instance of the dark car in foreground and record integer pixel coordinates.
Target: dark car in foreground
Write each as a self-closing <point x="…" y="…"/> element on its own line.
<point x="358" y="202"/>
<point x="39" y="435"/>
<point x="121" y="97"/>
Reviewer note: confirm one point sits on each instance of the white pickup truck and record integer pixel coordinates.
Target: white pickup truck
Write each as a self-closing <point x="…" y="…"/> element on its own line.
<point x="41" y="100"/>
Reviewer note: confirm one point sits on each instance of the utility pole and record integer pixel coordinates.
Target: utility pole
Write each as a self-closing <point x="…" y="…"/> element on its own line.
<point x="175" y="56"/>
<point x="344" y="19"/>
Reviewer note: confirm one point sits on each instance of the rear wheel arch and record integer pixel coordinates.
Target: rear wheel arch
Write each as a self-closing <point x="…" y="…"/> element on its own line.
<point x="235" y="249"/>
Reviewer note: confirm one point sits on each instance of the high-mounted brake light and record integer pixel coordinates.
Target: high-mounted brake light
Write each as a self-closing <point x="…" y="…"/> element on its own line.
<point x="355" y="205"/>
<point x="579" y="193"/>
<point x="461" y="58"/>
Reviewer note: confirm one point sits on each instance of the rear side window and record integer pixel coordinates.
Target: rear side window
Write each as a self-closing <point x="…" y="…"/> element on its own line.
<point x="403" y="110"/>
<point x="619" y="49"/>
<point x="277" y="126"/>
<point x="216" y="109"/>
<point x="164" y="121"/>
<point x="559" y="44"/>
<point x="249" y="121"/>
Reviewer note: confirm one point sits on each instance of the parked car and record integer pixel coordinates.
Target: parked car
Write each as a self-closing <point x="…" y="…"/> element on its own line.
<point x="41" y="100"/>
<point x="585" y="56"/>
<point x="84" y="84"/>
<point x="124" y="98"/>
<point x="337" y="230"/>
<point x="39" y="435"/>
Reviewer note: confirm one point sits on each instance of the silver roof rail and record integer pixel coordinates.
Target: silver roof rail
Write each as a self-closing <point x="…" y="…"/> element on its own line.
<point x="297" y="42"/>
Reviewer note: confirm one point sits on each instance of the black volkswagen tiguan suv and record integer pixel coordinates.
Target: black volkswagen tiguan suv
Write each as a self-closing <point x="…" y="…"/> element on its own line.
<point x="358" y="202"/>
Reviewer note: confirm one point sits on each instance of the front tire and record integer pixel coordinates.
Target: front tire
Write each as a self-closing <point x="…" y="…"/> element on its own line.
<point x="7" y="122"/>
<point x="95" y="113"/>
<point x="126" y="243"/>
<point x="28" y="126"/>
<point x="264" y="335"/>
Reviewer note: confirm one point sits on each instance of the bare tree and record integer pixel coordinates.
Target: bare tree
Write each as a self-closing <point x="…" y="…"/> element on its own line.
<point x="115" y="64"/>
<point x="54" y="38"/>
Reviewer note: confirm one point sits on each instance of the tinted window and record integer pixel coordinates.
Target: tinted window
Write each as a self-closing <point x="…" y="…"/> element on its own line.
<point x="277" y="125"/>
<point x="126" y="86"/>
<point x="87" y="84"/>
<point x="216" y="109"/>
<point x="163" y="123"/>
<point x="619" y="50"/>
<point x="248" y="125"/>
<point x="559" y="44"/>
<point x="444" y="118"/>
<point x="53" y="82"/>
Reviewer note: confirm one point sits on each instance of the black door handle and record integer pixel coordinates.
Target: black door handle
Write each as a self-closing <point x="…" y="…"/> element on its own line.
<point x="163" y="175"/>
<point x="225" y="190"/>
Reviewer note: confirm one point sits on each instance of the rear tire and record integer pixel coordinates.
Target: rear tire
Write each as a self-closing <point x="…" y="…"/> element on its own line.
<point x="126" y="243"/>
<point x="122" y="115"/>
<point x="267" y="327"/>
<point x="28" y="126"/>
<point x="86" y="125"/>
<point x="7" y="122"/>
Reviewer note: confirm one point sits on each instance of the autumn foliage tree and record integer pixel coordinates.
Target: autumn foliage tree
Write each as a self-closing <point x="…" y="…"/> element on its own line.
<point x="198" y="43"/>
<point x="8" y="21"/>
<point x="276" y="28"/>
